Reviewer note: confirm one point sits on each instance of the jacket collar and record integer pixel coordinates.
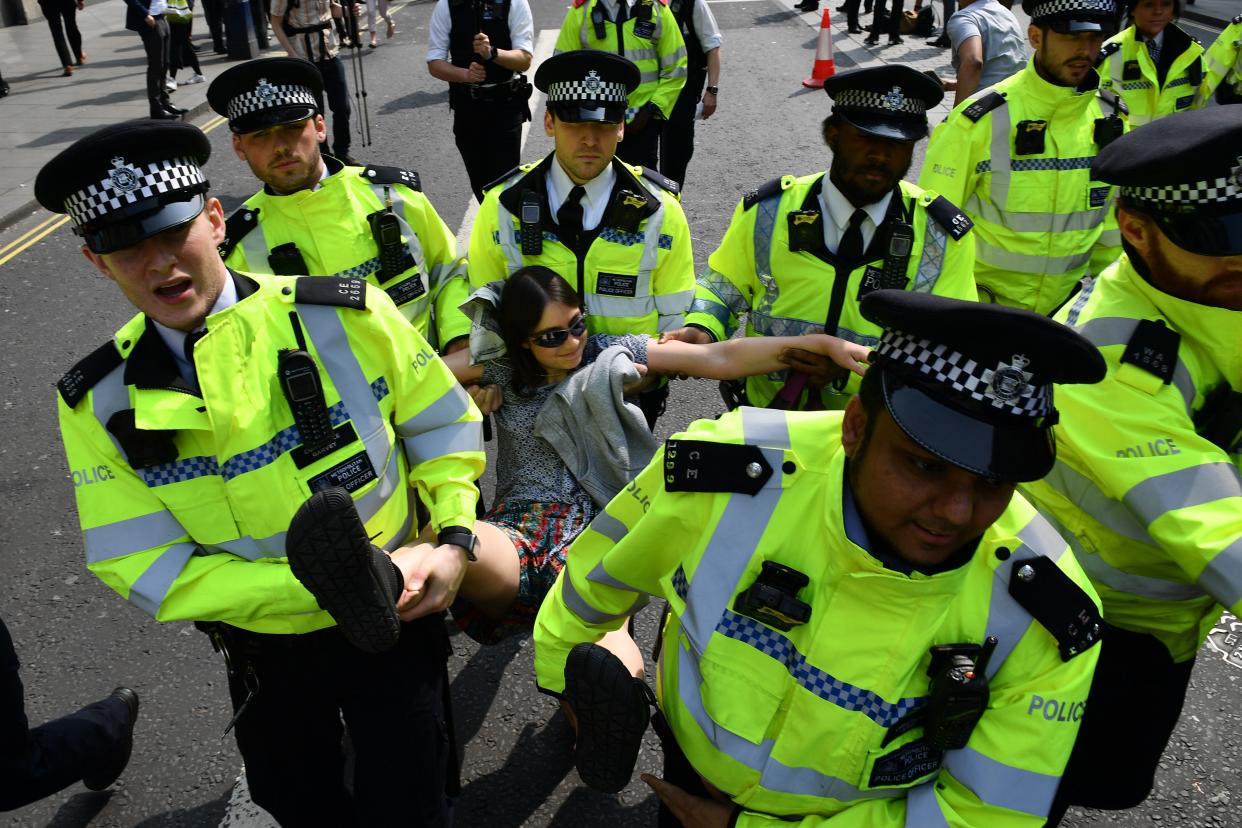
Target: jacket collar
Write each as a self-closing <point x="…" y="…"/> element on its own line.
<point x="331" y="168"/>
<point x="630" y="203"/>
<point x="1037" y="96"/>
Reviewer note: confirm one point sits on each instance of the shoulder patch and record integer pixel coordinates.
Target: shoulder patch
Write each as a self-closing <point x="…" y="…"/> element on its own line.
<point x="1236" y="20"/>
<point x="502" y="179"/>
<point x="704" y="466"/>
<point x="662" y="180"/>
<point x="950" y="217"/>
<point x="1110" y="48"/>
<point x="771" y="188"/>
<point x="1061" y="606"/>
<point x="1153" y="348"/>
<point x="327" y="290"/>
<point x="392" y="175"/>
<point x="236" y="227"/>
<point x="82" y="377"/>
<point x="983" y="106"/>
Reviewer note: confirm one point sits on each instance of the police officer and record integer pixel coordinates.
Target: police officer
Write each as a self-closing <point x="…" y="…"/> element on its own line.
<point x="208" y="419"/>
<point x="1153" y="64"/>
<point x="317" y="216"/>
<point x="801" y="252"/>
<point x="1224" y="64"/>
<point x="702" y="37"/>
<point x="845" y="590"/>
<point x="646" y="33"/>
<point x="1017" y="158"/>
<point x="480" y="47"/>
<point x="617" y="233"/>
<point x="1150" y="496"/>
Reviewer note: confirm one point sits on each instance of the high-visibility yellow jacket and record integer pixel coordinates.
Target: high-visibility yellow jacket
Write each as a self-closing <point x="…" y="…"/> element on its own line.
<point x="790" y="292"/>
<point x="650" y="37"/>
<point x="637" y="275"/>
<point x="1224" y="59"/>
<point x="330" y="229"/>
<point x="184" y="495"/>
<point x="1126" y="67"/>
<point x="1041" y="222"/>
<point x="1152" y="507"/>
<point x="789" y="724"/>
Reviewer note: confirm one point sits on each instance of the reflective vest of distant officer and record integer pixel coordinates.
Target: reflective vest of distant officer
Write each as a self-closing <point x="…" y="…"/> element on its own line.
<point x="803" y="668"/>
<point x="1016" y="157"/>
<point x="317" y="217"/>
<point x="784" y="261"/>
<point x="1224" y="60"/>
<point x="646" y="33"/>
<point x="1152" y="88"/>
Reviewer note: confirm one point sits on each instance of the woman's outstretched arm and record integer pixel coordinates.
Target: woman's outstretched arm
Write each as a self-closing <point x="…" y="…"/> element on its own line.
<point x="737" y="358"/>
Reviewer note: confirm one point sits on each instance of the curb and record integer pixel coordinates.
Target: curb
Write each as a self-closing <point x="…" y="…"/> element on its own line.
<point x="1205" y="19"/>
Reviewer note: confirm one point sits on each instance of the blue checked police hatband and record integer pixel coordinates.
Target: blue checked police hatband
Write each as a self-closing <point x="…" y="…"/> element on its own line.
<point x="1007" y="387"/>
<point x="1056" y="7"/>
<point x="590" y="89"/>
<point x="270" y="96"/>
<point x="893" y="100"/>
<point x="127" y="184"/>
<point x="1220" y="190"/>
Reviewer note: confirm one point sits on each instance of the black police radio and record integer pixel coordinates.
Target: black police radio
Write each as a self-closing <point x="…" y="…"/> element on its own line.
<point x="532" y="233"/>
<point x="958" y="692"/>
<point x="286" y="260"/>
<point x="386" y="231"/>
<point x="773" y="598"/>
<point x="300" y="383"/>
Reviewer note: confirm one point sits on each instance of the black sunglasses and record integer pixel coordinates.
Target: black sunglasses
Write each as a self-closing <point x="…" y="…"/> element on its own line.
<point x="556" y="338"/>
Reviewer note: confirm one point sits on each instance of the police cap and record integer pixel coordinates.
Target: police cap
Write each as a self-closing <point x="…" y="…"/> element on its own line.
<point x="267" y="92"/>
<point x="1068" y="16"/>
<point x="889" y="101"/>
<point x="588" y="85"/>
<point x="128" y="182"/>
<point x="972" y="382"/>
<point x="1196" y="200"/>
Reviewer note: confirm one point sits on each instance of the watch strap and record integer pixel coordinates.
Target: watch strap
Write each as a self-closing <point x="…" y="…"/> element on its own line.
<point x="459" y="536"/>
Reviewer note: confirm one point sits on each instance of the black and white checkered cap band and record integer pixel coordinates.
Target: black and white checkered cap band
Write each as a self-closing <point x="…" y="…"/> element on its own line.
<point x="1069" y="7"/>
<point x="129" y="184"/>
<point x="893" y="101"/>
<point x="1009" y="394"/>
<point x="586" y="92"/>
<point x="270" y="96"/>
<point x="1222" y="190"/>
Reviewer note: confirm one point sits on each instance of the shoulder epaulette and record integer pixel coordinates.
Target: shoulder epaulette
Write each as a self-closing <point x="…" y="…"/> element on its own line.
<point x="983" y="106"/>
<point x="521" y="168"/>
<point x="949" y="216"/>
<point x="1153" y="348"/>
<point x="330" y="290"/>
<point x="82" y="377"/>
<point x="1236" y="20"/>
<point x="771" y="188"/>
<point x="1112" y="47"/>
<point x="707" y="466"/>
<point x="392" y="175"/>
<point x="662" y="180"/>
<point x="1061" y="606"/>
<point x="236" y="227"/>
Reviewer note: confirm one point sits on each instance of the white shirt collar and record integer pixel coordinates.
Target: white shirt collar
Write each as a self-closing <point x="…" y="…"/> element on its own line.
<point x="594" y="203"/>
<point x="840" y="209"/>
<point x="1159" y="38"/>
<point x="175" y="340"/>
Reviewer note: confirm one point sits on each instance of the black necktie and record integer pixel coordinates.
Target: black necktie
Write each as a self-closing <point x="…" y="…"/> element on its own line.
<point x="569" y="218"/>
<point x="191" y="339"/>
<point x="851" y="247"/>
<point x="622" y="11"/>
<point x="1153" y="49"/>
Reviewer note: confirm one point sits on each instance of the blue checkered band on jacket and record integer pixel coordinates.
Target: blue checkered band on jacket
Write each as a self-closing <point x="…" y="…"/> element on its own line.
<point x="1228" y="188"/>
<point x="586" y="92"/>
<point x="270" y="96"/>
<point x="1052" y="8"/>
<point x="127" y="184"/>
<point x="1003" y="387"/>
<point x="892" y="101"/>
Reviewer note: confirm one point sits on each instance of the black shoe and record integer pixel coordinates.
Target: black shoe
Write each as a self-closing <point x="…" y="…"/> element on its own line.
<point x="867" y="9"/>
<point x="808" y="6"/>
<point x="613" y="709"/>
<point x="894" y="40"/>
<point x="840" y="8"/>
<point x="330" y="553"/>
<point x="175" y="110"/>
<point x="941" y="42"/>
<point x="872" y="40"/>
<point x="163" y="115"/>
<point x="109" y="772"/>
<point x="4" y="89"/>
<point x="856" y="30"/>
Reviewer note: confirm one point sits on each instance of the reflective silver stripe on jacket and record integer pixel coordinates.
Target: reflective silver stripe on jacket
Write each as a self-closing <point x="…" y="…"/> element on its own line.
<point x="254" y="245"/>
<point x="923" y="807"/>
<point x="732" y="302"/>
<point x="435" y="431"/>
<point x="998" y="188"/>
<point x="1004" y="259"/>
<point x="997" y="783"/>
<point x="1025" y="222"/>
<point x="1106" y="331"/>
<point x="148" y="591"/>
<point x="1080" y="302"/>
<point x="765" y="224"/>
<point x="931" y="260"/>
<point x="509" y="241"/>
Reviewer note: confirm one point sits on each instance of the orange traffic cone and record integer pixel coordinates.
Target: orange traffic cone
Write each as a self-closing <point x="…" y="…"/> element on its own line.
<point x="824" y="67"/>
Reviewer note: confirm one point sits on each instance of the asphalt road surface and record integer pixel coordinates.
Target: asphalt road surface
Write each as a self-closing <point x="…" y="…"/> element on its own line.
<point x="77" y="639"/>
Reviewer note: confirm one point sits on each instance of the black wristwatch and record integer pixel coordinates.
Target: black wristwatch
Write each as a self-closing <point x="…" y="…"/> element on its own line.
<point x="715" y="90"/>
<point x="492" y="56"/>
<point x="459" y="536"/>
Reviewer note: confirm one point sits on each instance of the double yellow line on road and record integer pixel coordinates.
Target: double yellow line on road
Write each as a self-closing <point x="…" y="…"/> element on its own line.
<point x="31" y="237"/>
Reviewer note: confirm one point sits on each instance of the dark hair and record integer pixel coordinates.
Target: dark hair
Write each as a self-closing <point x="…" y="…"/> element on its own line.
<point x="527" y="293"/>
<point x="833" y="120"/>
<point x="1131" y="5"/>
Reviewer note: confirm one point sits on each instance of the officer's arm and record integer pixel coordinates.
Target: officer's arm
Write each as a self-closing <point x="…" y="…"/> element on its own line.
<point x="438" y="425"/>
<point x="957" y="270"/>
<point x="952" y="156"/>
<point x="485" y="261"/>
<point x="567" y="40"/>
<point x="673" y="59"/>
<point x="446" y="270"/>
<point x="723" y="291"/>
<point x="138" y="548"/>
<point x="1220" y="58"/>
<point x="672" y="281"/>
<point x="1107" y="248"/>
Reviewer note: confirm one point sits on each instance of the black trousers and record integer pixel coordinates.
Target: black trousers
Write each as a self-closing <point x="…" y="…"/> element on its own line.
<point x="642" y="147"/>
<point x="39" y="762"/>
<point x="213" y="11"/>
<point x="677" y="137"/>
<point x="489" y="137"/>
<point x="155" y="42"/>
<point x="893" y="23"/>
<point x="333" y="73"/>
<point x="61" y="18"/>
<point x="394" y="705"/>
<point x="180" y="53"/>
<point x="677" y="771"/>
<point x="1135" y="701"/>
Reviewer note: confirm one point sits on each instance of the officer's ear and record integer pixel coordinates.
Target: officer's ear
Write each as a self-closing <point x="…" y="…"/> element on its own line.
<point x="1035" y="35"/>
<point x="853" y="426"/>
<point x="97" y="260"/>
<point x="1136" y="228"/>
<point x="321" y="128"/>
<point x="238" y="150"/>
<point x="214" y="211"/>
<point x="547" y="123"/>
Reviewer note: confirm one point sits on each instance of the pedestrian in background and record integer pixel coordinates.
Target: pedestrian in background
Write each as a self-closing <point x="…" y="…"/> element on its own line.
<point x="213" y="12"/>
<point x="1155" y="66"/>
<point x="950" y="6"/>
<point x="988" y="46"/>
<point x="891" y="23"/>
<point x="146" y="17"/>
<point x="180" y="16"/>
<point x="384" y="15"/>
<point x="61" y="18"/>
<point x="703" y="39"/>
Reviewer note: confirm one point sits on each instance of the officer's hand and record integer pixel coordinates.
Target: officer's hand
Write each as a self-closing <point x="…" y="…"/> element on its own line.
<point x="695" y="336"/>
<point x="487" y="397"/>
<point x="475" y="72"/>
<point x="709" y="105"/>
<point x="150" y="21"/>
<point x="482" y="46"/>
<point x="692" y="811"/>
<point x="641" y="119"/>
<point x="820" y="370"/>
<point x="357" y="9"/>
<point x="433" y="576"/>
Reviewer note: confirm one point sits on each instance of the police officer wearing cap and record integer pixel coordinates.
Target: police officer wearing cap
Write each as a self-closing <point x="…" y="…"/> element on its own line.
<point x="1150" y="496"/>
<point x="214" y="414"/>
<point x="320" y="217"/>
<point x="863" y="617"/>
<point x="1224" y="65"/>
<point x="1017" y="156"/>
<point x="616" y="232"/>
<point x="801" y="252"/>
<point x="1154" y="65"/>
